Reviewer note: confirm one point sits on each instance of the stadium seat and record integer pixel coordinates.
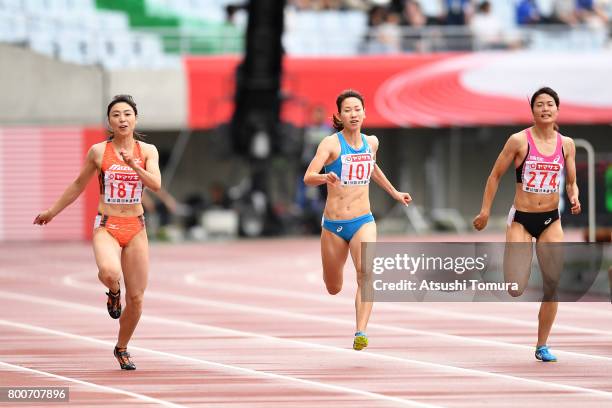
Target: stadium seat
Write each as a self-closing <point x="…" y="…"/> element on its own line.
<point x="113" y="52"/>
<point x="43" y="44"/>
<point x="147" y="50"/>
<point x="79" y="6"/>
<point x="12" y="6"/>
<point x="505" y="12"/>
<point x="324" y="32"/>
<point x="112" y="21"/>
<point x="12" y="27"/>
<point x="77" y="47"/>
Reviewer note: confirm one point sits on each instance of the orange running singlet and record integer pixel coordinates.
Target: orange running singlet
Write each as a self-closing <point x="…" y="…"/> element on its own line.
<point x="120" y="184"/>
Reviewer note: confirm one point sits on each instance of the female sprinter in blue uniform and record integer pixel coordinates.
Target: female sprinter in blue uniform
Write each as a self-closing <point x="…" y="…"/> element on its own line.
<point x="349" y="158"/>
<point x="540" y="154"/>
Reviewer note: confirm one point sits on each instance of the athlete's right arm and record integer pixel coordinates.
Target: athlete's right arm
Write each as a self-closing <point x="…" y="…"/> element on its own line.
<point x="73" y="191"/>
<point x="502" y="163"/>
<point x="312" y="177"/>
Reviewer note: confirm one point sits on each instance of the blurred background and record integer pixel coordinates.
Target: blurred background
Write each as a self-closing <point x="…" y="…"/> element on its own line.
<point x="237" y="95"/>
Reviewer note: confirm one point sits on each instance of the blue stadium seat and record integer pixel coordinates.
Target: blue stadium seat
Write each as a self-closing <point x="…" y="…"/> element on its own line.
<point x="13" y="27"/>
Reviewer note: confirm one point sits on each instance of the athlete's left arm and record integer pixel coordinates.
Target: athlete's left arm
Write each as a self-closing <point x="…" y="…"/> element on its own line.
<point x="151" y="177"/>
<point x="379" y="177"/>
<point x="570" y="174"/>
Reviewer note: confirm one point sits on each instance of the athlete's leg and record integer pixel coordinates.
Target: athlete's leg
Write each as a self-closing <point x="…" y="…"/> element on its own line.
<point x="367" y="233"/>
<point x="517" y="257"/>
<point x="108" y="259"/>
<point x="551" y="263"/>
<point x="135" y="263"/>
<point x="334" y="251"/>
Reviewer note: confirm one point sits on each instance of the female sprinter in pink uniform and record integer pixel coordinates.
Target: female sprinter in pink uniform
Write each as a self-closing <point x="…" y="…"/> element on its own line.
<point x="125" y="166"/>
<point x="349" y="158"/>
<point x="540" y="154"/>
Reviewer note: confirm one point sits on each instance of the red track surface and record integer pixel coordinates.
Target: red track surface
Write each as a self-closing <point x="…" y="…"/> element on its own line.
<point x="249" y="324"/>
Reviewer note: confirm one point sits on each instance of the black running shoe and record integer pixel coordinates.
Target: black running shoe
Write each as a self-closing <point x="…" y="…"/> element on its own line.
<point x="123" y="357"/>
<point x="113" y="304"/>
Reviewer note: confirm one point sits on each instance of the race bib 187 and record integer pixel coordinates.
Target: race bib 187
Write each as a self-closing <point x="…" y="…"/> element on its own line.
<point x="122" y="188"/>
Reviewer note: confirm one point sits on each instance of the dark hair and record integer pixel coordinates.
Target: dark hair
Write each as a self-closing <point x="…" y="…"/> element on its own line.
<point x="548" y="91"/>
<point x="130" y="101"/>
<point x="545" y="90"/>
<point x="122" y="98"/>
<point x="348" y="93"/>
<point x="484" y="7"/>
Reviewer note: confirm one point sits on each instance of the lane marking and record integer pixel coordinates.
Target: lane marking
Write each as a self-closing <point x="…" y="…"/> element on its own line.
<point x="332" y="320"/>
<point x="193" y="279"/>
<point x="104" y="388"/>
<point x="224" y="367"/>
<point x="429" y="365"/>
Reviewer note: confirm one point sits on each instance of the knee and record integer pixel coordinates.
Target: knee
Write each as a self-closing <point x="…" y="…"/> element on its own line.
<point x="135" y="300"/>
<point x="108" y="274"/>
<point x="333" y="280"/>
<point x="333" y="289"/>
<point x="550" y="283"/>
<point x="516" y="292"/>
<point x="361" y="278"/>
<point x="549" y="294"/>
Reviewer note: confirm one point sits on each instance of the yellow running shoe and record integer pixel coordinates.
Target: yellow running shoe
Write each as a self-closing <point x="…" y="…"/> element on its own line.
<point x="361" y="341"/>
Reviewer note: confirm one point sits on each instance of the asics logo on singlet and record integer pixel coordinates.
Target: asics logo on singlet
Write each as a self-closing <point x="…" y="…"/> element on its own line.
<point x="338" y="229"/>
<point x="547" y="221"/>
<point x="119" y="167"/>
<point x="556" y="159"/>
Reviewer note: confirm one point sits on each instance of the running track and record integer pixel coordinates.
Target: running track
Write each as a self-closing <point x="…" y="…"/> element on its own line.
<point x="249" y="324"/>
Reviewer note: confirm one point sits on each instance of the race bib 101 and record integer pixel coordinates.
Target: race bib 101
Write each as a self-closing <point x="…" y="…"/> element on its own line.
<point x="356" y="169"/>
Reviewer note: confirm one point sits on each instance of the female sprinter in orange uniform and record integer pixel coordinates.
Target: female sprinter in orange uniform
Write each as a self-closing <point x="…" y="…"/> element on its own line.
<point x="540" y="155"/>
<point x="349" y="158"/>
<point x="125" y="166"/>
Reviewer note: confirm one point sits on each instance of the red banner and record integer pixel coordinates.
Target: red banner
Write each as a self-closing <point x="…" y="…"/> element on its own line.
<point x="90" y="137"/>
<point x="418" y="90"/>
<point x="36" y="165"/>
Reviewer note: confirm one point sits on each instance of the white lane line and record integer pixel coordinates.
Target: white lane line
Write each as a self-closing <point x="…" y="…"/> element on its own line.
<point x="104" y="388"/>
<point x="68" y="280"/>
<point x="225" y="367"/>
<point x="444" y="367"/>
<point x="224" y="331"/>
<point x="194" y="280"/>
